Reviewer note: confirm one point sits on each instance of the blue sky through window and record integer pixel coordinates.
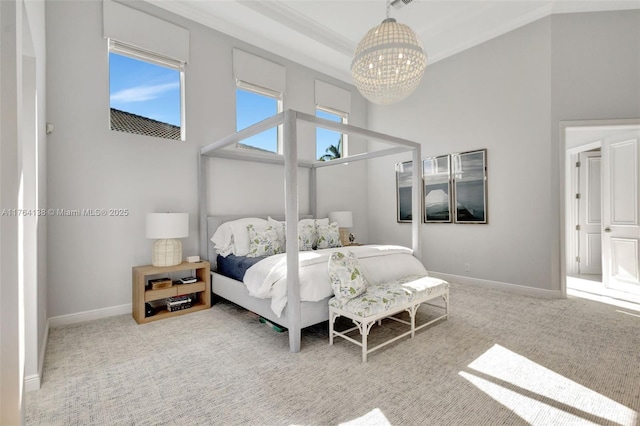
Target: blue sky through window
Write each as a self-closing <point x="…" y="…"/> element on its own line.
<point x="144" y="89"/>
<point x="325" y="137"/>
<point x="153" y="91"/>
<point x="252" y="108"/>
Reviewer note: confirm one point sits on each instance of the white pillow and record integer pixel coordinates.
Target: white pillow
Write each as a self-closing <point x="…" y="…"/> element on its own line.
<point x="346" y="276"/>
<point x="328" y="236"/>
<point x="222" y="240"/>
<point x="233" y="237"/>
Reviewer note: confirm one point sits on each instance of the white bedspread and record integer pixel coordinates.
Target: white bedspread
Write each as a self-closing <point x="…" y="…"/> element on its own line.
<point x="267" y="278"/>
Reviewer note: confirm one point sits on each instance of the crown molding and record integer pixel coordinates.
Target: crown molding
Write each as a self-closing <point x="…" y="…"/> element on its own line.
<point x="298" y="22"/>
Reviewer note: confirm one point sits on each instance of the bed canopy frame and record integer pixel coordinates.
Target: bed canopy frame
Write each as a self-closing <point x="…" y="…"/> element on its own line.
<point x="289" y="119"/>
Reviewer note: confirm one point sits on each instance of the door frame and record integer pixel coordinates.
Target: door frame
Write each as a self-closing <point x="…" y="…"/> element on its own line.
<point x="568" y="156"/>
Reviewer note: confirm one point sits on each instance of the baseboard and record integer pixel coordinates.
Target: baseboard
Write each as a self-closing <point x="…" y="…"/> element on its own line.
<point x="111" y="311"/>
<point x="34" y="381"/>
<point x="512" y="288"/>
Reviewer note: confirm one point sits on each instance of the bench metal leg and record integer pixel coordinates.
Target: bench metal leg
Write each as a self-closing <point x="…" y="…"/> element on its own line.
<point x="332" y="320"/>
<point x="364" y="328"/>
<point x="445" y="296"/>
<point x="412" y="313"/>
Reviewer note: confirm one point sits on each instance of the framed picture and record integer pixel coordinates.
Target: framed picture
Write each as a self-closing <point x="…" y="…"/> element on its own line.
<point x="436" y="178"/>
<point x="404" y="175"/>
<point x="470" y="186"/>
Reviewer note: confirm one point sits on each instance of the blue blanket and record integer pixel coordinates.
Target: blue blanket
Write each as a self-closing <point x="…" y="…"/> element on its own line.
<point x="234" y="266"/>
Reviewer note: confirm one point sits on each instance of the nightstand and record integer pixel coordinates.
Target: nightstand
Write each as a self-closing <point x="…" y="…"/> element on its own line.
<point x="141" y="295"/>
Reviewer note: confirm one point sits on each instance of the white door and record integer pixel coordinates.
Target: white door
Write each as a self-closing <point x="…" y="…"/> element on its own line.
<point x="590" y="214"/>
<point x="620" y="221"/>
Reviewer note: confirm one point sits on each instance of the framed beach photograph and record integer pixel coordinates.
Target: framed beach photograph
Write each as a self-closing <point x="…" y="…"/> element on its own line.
<point x="404" y="172"/>
<point x="470" y="186"/>
<point x="436" y="178"/>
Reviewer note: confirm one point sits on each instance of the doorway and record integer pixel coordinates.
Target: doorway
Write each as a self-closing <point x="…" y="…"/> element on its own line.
<point x="590" y="239"/>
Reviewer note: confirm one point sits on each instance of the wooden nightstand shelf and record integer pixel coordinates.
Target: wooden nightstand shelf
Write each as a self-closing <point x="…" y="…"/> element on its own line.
<point x="202" y="288"/>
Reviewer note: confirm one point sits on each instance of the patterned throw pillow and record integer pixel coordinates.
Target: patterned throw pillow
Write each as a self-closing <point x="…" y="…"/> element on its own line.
<point x="346" y="276"/>
<point x="281" y="230"/>
<point x="328" y="236"/>
<point x="306" y="236"/>
<point x="263" y="242"/>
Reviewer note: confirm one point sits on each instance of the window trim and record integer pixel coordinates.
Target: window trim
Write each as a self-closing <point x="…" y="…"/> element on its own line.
<point x="133" y="52"/>
<point x="277" y="96"/>
<point x="344" y="120"/>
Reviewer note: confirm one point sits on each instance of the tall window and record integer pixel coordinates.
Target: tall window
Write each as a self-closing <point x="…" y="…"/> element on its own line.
<point x="254" y="104"/>
<point x="330" y="144"/>
<point x="146" y="93"/>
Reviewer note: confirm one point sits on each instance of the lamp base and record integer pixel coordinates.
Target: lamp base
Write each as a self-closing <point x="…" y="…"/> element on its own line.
<point x="344" y="236"/>
<point x="167" y="252"/>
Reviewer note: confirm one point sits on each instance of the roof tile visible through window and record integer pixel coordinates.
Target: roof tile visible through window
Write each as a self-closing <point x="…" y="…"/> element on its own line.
<point x="123" y="121"/>
<point x="126" y="122"/>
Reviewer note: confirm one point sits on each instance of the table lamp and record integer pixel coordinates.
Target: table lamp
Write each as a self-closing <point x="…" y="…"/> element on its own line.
<point x="165" y="228"/>
<point x="345" y="221"/>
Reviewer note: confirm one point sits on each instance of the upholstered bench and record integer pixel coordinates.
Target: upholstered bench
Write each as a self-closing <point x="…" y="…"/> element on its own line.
<point x="383" y="301"/>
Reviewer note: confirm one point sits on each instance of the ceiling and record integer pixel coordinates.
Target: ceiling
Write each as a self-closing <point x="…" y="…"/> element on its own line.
<point x="323" y="34"/>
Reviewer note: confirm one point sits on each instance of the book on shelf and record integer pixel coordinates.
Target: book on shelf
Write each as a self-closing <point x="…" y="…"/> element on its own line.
<point x="176" y="303"/>
<point x="177" y="300"/>
<point x="172" y="308"/>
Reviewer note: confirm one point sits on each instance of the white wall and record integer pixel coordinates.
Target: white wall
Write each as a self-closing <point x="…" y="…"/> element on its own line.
<point x="90" y="166"/>
<point x="595" y="75"/>
<point x="508" y="95"/>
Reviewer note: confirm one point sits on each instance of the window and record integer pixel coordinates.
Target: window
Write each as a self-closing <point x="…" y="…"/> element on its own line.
<point x="254" y="104"/>
<point x="146" y="93"/>
<point x="330" y="144"/>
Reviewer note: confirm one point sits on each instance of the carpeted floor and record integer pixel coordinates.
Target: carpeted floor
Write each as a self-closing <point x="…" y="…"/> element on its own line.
<point x="500" y="359"/>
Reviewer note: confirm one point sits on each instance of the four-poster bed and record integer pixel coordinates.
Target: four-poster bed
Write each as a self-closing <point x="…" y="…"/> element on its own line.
<point x="297" y="314"/>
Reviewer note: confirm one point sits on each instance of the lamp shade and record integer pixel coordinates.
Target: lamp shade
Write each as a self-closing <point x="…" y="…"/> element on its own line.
<point x="167" y="225"/>
<point x="389" y="63"/>
<point x="344" y="218"/>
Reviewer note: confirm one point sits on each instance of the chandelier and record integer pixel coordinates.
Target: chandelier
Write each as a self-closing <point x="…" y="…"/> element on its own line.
<point x="389" y="62"/>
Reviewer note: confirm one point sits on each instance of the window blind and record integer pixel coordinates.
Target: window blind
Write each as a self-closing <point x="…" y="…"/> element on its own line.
<point x="332" y="97"/>
<point x="248" y="68"/>
<point x="138" y="29"/>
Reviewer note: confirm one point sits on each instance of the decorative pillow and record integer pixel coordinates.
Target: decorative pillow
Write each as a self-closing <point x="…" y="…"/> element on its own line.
<point x="262" y="242"/>
<point x="307" y="236"/>
<point x="312" y="234"/>
<point x="314" y="222"/>
<point x="281" y="230"/>
<point x="241" y="234"/>
<point x="328" y="236"/>
<point x="346" y="276"/>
